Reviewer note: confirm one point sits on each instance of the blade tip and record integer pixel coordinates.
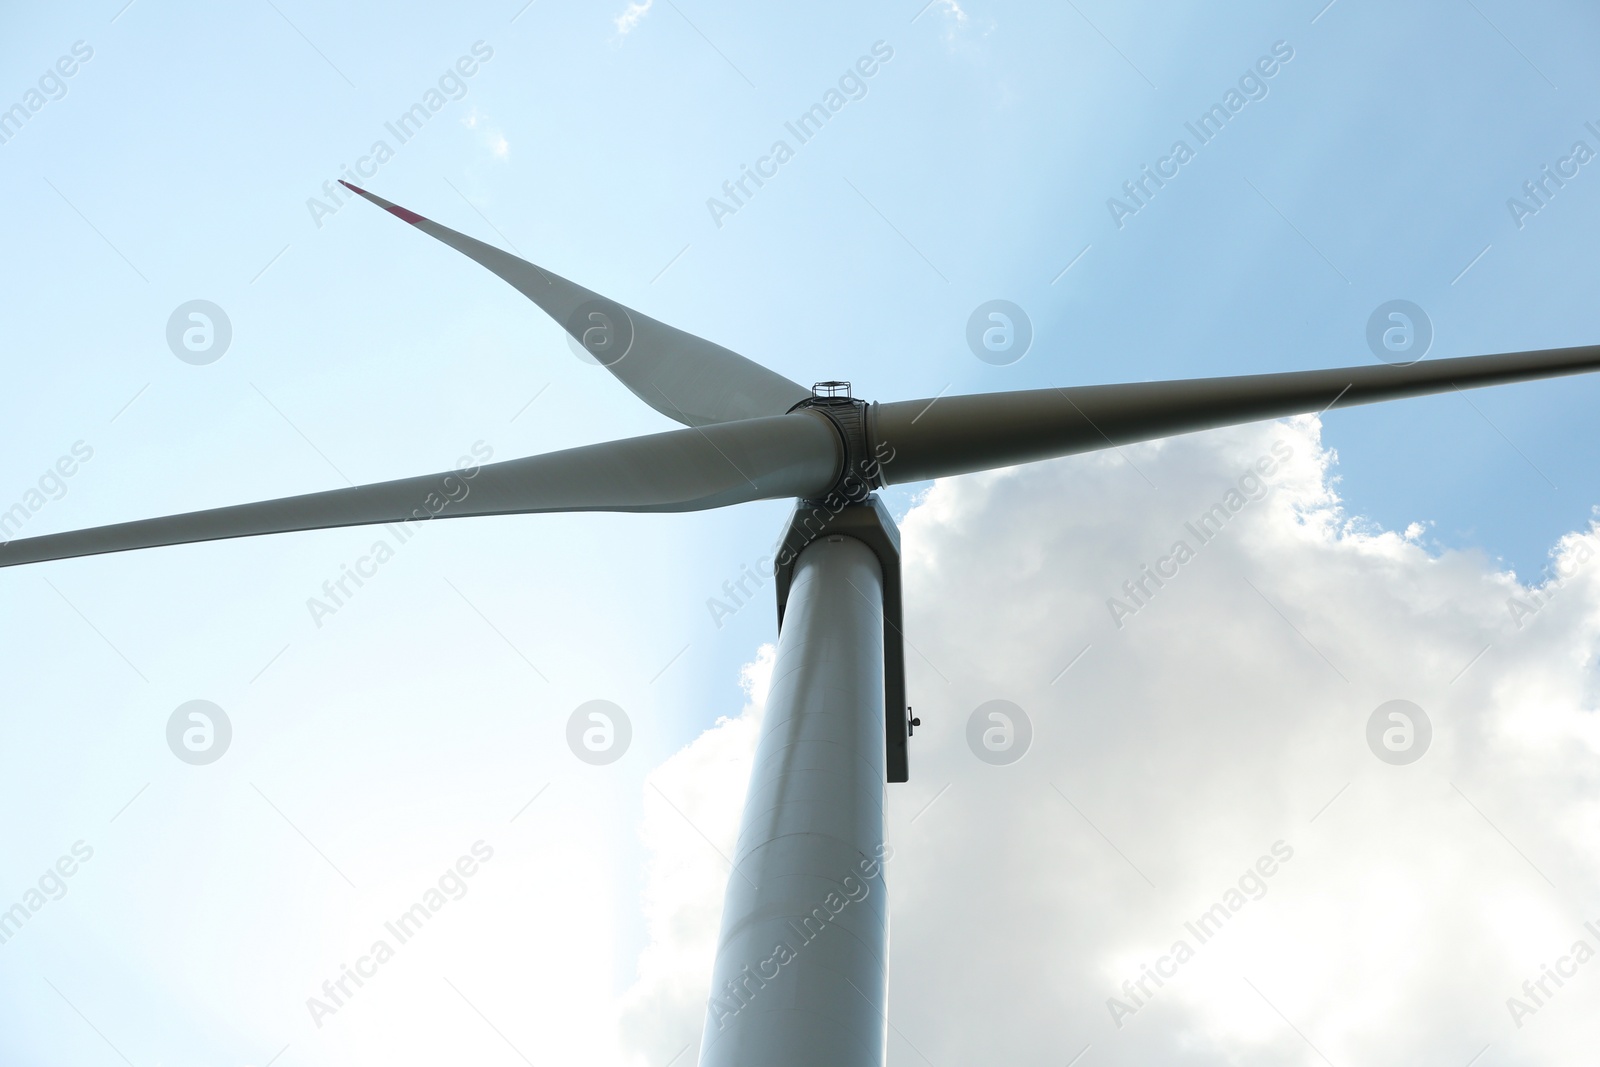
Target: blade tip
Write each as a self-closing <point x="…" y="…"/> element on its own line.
<point x="403" y="214"/>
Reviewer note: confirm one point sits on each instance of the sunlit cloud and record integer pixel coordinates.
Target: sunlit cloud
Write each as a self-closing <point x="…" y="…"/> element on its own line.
<point x="635" y="13"/>
<point x="1221" y="730"/>
<point x="492" y="137"/>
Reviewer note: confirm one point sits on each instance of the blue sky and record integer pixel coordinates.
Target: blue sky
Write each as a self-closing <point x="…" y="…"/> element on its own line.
<point x="178" y="165"/>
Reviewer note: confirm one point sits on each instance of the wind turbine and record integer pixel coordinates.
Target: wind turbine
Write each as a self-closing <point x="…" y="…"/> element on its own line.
<point x="787" y="990"/>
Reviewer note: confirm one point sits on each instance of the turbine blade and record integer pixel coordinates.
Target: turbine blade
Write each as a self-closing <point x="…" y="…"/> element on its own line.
<point x="682" y="470"/>
<point x="684" y="377"/>
<point x="961" y="434"/>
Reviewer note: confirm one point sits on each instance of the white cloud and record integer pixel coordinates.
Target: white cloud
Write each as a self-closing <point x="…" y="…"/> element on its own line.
<point x="700" y="790"/>
<point x="956" y="26"/>
<point x="632" y="16"/>
<point x="1221" y="718"/>
<point x="492" y="136"/>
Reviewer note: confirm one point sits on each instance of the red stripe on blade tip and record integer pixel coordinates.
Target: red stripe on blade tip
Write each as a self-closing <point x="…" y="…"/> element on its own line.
<point x="404" y="214"/>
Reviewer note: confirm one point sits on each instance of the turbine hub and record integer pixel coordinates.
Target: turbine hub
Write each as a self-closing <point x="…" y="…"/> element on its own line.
<point x="864" y="457"/>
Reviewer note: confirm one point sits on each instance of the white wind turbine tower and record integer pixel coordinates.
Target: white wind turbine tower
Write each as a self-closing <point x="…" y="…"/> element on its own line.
<point x="837" y="723"/>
